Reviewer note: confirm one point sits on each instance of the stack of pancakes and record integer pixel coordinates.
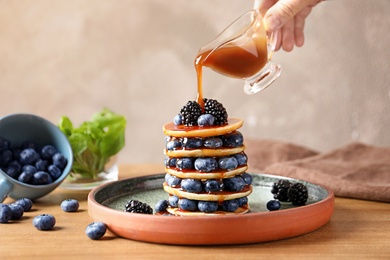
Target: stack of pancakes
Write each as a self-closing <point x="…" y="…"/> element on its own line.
<point x="222" y="196"/>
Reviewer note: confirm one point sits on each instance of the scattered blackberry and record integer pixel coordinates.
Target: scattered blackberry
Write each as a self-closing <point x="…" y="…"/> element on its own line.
<point x="298" y="194"/>
<point x="280" y="190"/>
<point x="216" y="109"/>
<point x="190" y="113"/>
<point x="135" y="206"/>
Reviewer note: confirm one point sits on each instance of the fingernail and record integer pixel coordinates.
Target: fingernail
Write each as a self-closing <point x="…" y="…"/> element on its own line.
<point x="272" y="23"/>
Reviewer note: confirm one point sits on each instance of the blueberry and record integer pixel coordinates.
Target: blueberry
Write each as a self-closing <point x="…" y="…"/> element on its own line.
<point x="228" y="163"/>
<point x="5" y="213"/>
<point x="96" y="230"/>
<point x="186" y="204"/>
<point x="178" y="119"/>
<point x="26" y="177"/>
<point x="213" y="142"/>
<point x="242" y="201"/>
<point x="234" y="139"/>
<point x="48" y="151"/>
<point x="186" y="163"/>
<point x="213" y="185"/>
<point x="241" y="158"/>
<point x="41" y="178"/>
<point x="273" y="205"/>
<point x="173" y="201"/>
<point x="247" y="178"/>
<point x="15" y="164"/>
<point x="28" y="144"/>
<point x="170" y="161"/>
<point x="207" y="206"/>
<point x="41" y="165"/>
<point x="59" y="160"/>
<point x="206" y="120"/>
<point x="166" y="177"/>
<point x="26" y="203"/>
<point x="70" y="205"/>
<point x="54" y="171"/>
<point x="161" y="206"/>
<point x="44" y="222"/>
<point x="17" y="211"/>
<point x="173" y="181"/>
<point x="5" y="144"/>
<point x="16" y="153"/>
<point x="5" y="157"/>
<point x="174" y="144"/>
<point x="235" y="183"/>
<point x="29" y="156"/>
<point x="192" y="143"/>
<point x="29" y="168"/>
<point x="191" y="185"/>
<point x="206" y="164"/>
<point x="12" y="171"/>
<point x="230" y="205"/>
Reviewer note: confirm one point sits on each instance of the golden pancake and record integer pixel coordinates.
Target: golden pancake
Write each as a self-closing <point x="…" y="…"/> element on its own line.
<point x="193" y="174"/>
<point x="206" y="152"/>
<point x="171" y="129"/>
<point x="178" y="212"/>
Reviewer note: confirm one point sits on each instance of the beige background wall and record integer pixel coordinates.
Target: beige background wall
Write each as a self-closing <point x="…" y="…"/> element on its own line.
<point x="136" y="57"/>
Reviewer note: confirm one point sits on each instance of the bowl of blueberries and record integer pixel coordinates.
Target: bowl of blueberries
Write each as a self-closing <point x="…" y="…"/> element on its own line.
<point x="35" y="156"/>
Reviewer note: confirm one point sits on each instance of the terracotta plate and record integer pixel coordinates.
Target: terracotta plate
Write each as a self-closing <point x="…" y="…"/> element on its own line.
<point x="106" y="203"/>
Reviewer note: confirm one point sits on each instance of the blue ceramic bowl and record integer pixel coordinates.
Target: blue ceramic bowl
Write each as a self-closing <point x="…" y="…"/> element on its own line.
<point x="18" y="128"/>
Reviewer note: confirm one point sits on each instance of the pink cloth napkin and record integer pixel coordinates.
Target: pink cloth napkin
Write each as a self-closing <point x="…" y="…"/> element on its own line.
<point x="355" y="170"/>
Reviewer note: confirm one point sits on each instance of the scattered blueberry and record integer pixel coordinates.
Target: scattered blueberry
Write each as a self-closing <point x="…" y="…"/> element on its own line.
<point x="235" y="183"/>
<point x="230" y="205"/>
<point x="186" y="204"/>
<point x="192" y="143"/>
<point x="186" y="163"/>
<point x="44" y="222"/>
<point x="206" y="164"/>
<point x="173" y="201"/>
<point x="48" y="151"/>
<point x="26" y="203"/>
<point x="191" y="185"/>
<point x="234" y="139"/>
<point x="228" y="163"/>
<point x="17" y="211"/>
<point x="207" y="206"/>
<point x="213" y="142"/>
<point x="41" y="178"/>
<point x="161" y="206"/>
<point x="5" y="213"/>
<point x="96" y="230"/>
<point x="178" y="119"/>
<point x="173" y="144"/>
<point x="213" y="185"/>
<point x="70" y="205"/>
<point x="206" y="120"/>
<point x="273" y="205"/>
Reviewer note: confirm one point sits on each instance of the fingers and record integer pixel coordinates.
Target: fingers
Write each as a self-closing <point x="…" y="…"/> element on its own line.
<point x="299" y="26"/>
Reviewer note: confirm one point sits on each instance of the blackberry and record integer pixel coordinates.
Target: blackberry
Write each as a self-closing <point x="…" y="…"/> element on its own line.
<point x="190" y="113"/>
<point x="135" y="206"/>
<point x="280" y="190"/>
<point x="298" y="194"/>
<point x="216" y="109"/>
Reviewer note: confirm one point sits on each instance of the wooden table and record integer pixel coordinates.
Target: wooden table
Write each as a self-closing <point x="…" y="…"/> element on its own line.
<point x="357" y="229"/>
